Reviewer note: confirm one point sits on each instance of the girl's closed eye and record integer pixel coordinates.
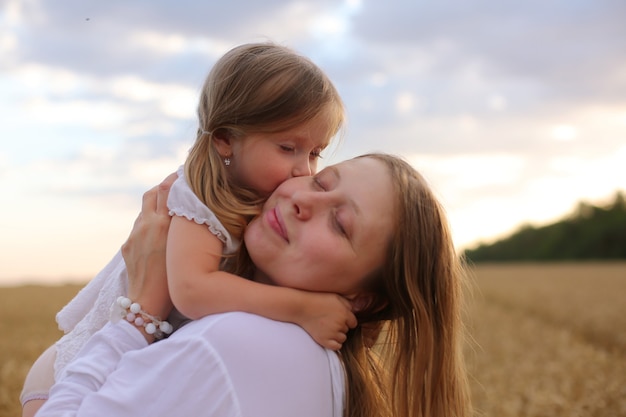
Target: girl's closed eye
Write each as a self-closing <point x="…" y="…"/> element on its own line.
<point x="287" y="148"/>
<point x="317" y="153"/>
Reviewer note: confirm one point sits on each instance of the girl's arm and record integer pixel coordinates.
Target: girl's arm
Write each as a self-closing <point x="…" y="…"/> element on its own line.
<point x="198" y="288"/>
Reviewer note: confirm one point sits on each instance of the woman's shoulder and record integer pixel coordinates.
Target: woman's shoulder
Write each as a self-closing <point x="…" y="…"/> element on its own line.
<point x="242" y="326"/>
<point x="245" y="337"/>
<point x="271" y="363"/>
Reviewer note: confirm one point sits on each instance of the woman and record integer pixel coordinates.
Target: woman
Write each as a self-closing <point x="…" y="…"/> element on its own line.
<point x="368" y="229"/>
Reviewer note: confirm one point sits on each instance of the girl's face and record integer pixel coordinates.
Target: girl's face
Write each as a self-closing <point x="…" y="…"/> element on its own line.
<point x="262" y="161"/>
<point x="325" y="233"/>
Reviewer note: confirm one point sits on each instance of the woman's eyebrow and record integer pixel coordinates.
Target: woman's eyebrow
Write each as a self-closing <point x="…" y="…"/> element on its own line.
<point x="335" y="171"/>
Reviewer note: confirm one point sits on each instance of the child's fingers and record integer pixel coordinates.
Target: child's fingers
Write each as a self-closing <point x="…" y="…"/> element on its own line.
<point x="338" y="341"/>
<point x="351" y="321"/>
<point x="333" y="345"/>
<point x="335" y="342"/>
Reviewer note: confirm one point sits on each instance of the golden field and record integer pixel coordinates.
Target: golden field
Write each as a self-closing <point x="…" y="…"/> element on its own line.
<point x="27" y="327"/>
<point x="547" y="339"/>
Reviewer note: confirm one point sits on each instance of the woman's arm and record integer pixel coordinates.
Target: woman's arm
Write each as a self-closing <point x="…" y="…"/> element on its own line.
<point x="88" y="372"/>
<point x="144" y="253"/>
<point x="198" y="288"/>
<point x="117" y="374"/>
<point x="219" y="366"/>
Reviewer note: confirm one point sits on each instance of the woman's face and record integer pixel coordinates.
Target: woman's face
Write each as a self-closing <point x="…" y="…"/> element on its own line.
<point x="327" y="232"/>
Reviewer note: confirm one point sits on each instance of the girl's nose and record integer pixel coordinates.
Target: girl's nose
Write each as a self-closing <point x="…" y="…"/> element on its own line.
<point x="302" y="167"/>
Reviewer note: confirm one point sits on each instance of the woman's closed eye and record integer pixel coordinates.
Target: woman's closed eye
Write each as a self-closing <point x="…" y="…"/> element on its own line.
<point x="336" y="223"/>
<point x="318" y="184"/>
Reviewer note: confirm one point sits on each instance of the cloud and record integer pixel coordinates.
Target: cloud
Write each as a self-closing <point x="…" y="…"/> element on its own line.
<point x="569" y="49"/>
<point x="514" y="111"/>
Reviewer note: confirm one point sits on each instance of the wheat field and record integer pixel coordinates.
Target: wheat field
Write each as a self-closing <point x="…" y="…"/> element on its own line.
<point x="546" y="339"/>
<point x="549" y="340"/>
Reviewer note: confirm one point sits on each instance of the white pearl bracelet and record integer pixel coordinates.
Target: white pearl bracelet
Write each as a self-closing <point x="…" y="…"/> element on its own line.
<point x="132" y="312"/>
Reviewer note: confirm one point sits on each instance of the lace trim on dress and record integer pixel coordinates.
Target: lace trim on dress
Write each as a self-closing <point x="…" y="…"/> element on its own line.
<point x="183" y="202"/>
<point x="181" y="213"/>
<point x="89" y="311"/>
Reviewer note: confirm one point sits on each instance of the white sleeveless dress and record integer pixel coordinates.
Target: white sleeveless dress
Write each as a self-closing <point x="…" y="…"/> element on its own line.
<point x="89" y="310"/>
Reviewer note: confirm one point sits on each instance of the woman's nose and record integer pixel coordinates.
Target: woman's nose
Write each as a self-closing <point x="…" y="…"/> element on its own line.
<point x="302" y="205"/>
<point x="307" y="203"/>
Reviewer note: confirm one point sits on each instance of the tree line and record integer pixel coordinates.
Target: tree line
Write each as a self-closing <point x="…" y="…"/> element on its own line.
<point x="589" y="233"/>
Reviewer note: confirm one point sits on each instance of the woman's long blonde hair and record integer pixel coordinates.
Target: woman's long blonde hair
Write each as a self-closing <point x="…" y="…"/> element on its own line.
<point x="404" y="359"/>
<point x="253" y="88"/>
<point x="416" y="368"/>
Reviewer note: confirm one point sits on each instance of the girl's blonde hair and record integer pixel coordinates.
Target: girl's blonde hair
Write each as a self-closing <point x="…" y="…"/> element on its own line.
<point x="253" y="88"/>
<point x="416" y="367"/>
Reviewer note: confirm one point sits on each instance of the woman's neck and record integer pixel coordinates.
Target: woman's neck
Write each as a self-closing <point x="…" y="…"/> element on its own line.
<point x="261" y="277"/>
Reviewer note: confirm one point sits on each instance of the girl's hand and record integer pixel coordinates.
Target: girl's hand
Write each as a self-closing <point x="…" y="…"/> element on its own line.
<point x="327" y="317"/>
<point x="144" y="253"/>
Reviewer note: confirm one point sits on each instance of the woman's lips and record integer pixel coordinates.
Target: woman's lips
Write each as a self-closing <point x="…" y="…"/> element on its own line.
<point x="275" y="221"/>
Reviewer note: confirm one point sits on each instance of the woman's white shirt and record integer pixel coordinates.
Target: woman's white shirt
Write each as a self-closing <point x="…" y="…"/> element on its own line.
<point x="225" y="365"/>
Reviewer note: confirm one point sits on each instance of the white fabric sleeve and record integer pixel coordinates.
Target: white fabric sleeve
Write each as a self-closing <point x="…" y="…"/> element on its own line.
<point x="226" y="365"/>
<point x="117" y="375"/>
<point x="183" y="202"/>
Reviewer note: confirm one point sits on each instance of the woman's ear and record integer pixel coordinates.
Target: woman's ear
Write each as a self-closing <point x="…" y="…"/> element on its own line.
<point x="221" y="139"/>
<point x="367" y="303"/>
<point x="361" y="301"/>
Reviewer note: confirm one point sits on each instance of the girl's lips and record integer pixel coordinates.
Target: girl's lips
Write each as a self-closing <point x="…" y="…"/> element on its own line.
<point x="276" y="222"/>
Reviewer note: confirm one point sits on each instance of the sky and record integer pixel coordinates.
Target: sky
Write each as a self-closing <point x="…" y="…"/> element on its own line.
<point x="513" y="111"/>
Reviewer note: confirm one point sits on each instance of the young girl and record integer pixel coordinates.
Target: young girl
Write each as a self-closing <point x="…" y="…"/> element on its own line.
<point x="265" y="114"/>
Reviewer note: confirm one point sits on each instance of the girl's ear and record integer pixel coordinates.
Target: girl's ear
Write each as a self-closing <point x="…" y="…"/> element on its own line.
<point x="221" y="139"/>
